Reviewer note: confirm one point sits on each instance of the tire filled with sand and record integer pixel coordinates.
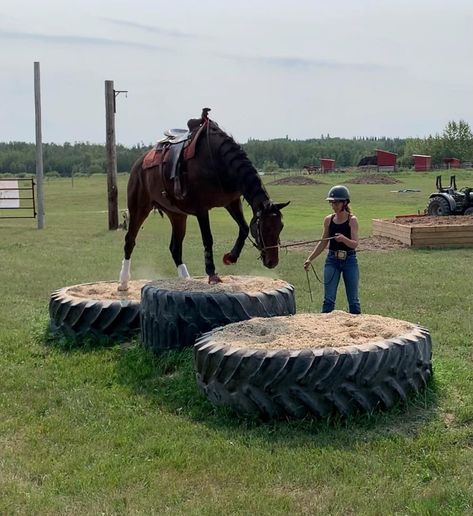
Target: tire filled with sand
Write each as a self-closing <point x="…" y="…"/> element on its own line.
<point x="315" y="365"/>
<point x="174" y="312"/>
<point x="96" y="310"/>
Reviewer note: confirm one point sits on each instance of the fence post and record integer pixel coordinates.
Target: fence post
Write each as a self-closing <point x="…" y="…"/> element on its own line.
<point x="39" y="146"/>
<point x="111" y="156"/>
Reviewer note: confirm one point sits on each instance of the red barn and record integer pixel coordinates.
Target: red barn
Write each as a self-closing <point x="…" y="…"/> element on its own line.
<point x="422" y="162"/>
<point x="451" y="162"/>
<point x="327" y="165"/>
<point x="386" y="160"/>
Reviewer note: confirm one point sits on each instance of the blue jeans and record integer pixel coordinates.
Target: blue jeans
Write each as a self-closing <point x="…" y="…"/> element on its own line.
<point x="334" y="268"/>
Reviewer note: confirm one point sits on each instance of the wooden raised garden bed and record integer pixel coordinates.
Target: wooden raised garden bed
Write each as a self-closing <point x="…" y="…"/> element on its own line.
<point x="426" y="231"/>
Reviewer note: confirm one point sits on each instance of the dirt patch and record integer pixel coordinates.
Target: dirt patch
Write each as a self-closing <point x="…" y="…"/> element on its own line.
<point x="311" y="331"/>
<point x="249" y="284"/>
<point x="380" y="243"/>
<point x="296" y="180"/>
<point x="374" y="179"/>
<point x="427" y="220"/>
<point x="109" y="289"/>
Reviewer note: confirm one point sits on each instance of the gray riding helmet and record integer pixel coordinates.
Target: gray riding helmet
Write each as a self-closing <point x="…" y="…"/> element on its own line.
<point x="338" y="193"/>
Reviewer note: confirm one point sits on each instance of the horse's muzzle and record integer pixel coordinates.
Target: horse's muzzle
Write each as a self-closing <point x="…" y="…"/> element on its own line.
<point x="270" y="262"/>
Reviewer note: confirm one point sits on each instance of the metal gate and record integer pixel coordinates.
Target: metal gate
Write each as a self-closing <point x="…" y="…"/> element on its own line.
<point x="17" y="198"/>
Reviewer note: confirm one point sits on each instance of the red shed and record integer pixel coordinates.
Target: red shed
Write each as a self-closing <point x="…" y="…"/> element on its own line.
<point x="451" y="162"/>
<point x="386" y="160"/>
<point x="327" y="165"/>
<point x="422" y="162"/>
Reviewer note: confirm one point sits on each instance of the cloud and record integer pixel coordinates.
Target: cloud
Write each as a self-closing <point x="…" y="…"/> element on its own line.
<point x="77" y="40"/>
<point x="150" y="28"/>
<point x="306" y="64"/>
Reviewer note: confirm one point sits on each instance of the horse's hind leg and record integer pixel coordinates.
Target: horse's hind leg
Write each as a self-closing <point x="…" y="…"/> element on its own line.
<point x="236" y="211"/>
<point x="178" y="223"/>
<point x="136" y="221"/>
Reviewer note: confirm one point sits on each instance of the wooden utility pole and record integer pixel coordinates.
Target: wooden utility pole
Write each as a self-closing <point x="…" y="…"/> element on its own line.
<point x="111" y="156"/>
<point x="39" y="146"/>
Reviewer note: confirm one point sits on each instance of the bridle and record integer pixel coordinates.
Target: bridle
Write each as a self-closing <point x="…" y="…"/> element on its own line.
<point x="258" y="242"/>
<point x="257" y="233"/>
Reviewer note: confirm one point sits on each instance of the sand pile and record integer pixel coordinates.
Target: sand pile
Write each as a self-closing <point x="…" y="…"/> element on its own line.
<point x="109" y="289"/>
<point x="310" y="331"/>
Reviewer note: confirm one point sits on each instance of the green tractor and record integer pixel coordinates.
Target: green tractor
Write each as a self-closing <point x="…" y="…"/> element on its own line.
<point x="450" y="201"/>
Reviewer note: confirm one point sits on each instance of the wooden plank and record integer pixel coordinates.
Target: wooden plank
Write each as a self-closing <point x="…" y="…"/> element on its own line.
<point x="457" y="240"/>
<point x="389" y="230"/>
<point x="443" y="229"/>
<point x="442" y="234"/>
<point x="442" y="244"/>
<point x="392" y="231"/>
<point x="388" y="224"/>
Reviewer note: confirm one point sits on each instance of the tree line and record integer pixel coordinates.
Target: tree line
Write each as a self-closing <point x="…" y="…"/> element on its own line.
<point x="76" y="159"/>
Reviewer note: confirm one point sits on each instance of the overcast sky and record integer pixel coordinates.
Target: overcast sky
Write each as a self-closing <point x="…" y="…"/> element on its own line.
<point x="266" y="68"/>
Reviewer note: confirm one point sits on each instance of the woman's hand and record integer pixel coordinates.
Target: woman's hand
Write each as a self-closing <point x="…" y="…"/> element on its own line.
<point x="340" y="238"/>
<point x="307" y="264"/>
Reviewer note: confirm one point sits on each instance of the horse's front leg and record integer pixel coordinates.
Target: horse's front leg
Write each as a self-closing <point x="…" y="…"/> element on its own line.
<point x="207" y="240"/>
<point x="178" y="223"/>
<point x="236" y="211"/>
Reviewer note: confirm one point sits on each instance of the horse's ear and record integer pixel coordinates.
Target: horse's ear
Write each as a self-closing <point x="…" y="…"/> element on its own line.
<point x="281" y="205"/>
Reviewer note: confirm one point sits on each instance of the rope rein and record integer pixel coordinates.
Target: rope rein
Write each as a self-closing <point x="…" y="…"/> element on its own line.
<point x="285" y="246"/>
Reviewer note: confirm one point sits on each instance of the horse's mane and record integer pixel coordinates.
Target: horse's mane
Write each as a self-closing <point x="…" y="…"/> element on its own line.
<point x="237" y="161"/>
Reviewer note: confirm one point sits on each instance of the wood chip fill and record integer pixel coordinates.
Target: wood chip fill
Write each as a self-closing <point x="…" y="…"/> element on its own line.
<point x="311" y="331"/>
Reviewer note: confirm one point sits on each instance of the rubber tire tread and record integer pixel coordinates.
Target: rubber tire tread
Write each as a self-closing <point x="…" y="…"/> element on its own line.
<point x="317" y="383"/>
<point x="174" y="319"/>
<point x="438" y="202"/>
<point x="94" y="318"/>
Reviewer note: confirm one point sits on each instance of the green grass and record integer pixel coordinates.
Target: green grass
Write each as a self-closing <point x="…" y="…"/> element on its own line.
<point x="115" y="430"/>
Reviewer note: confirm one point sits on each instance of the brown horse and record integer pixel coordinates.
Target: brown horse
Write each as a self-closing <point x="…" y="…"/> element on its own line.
<point x="217" y="175"/>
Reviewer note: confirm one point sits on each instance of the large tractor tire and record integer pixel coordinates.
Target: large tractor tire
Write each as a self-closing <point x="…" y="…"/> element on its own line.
<point x="95" y="318"/>
<point x="438" y="206"/>
<point x="468" y="211"/>
<point x="173" y="319"/>
<point x="275" y="384"/>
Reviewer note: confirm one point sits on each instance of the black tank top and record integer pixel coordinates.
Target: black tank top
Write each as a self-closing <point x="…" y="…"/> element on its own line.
<point x="344" y="229"/>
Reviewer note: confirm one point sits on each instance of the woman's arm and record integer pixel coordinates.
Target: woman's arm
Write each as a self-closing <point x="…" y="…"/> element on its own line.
<point x="352" y="242"/>
<point x="321" y="245"/>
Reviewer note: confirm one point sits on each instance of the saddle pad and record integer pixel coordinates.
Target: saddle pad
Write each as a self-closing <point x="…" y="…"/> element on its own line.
<point x="152" y="158"/>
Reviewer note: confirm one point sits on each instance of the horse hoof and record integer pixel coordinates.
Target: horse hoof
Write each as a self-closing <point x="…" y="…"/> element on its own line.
<point x="214" y="279"/>
<point x="122" y="288"/>
<point x="228" y="259"/>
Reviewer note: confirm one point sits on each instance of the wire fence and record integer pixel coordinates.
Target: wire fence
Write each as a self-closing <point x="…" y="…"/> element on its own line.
<point x="17" y="198"/>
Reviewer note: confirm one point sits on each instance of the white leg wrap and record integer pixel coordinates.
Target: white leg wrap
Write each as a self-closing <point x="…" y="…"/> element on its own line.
<point x="182" y="271"/>
<point x="124" y="275"/>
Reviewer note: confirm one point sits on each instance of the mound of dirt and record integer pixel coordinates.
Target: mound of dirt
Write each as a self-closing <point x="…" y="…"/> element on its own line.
<point x="248" y="284"/>
<point x="310" y="331"/>
<point x="296" y="180"/>
<point x="426" y="220"/>
<point x="374" y="179"/>
<point x="109" y="289"/>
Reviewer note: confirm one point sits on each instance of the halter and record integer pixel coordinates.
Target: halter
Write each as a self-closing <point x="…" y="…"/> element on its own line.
<point x="257" y="233"/>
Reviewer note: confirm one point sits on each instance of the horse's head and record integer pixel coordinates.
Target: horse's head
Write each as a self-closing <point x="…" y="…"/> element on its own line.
<point x="266" y="226"/>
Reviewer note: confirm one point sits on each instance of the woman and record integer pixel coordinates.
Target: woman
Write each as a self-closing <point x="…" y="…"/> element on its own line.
<point x="342" y="229"/>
